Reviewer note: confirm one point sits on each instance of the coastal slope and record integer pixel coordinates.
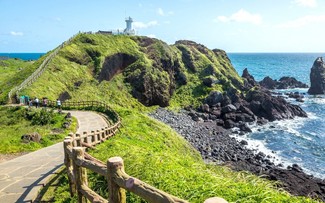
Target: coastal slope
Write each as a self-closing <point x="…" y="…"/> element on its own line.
<point x="136" y="74"/>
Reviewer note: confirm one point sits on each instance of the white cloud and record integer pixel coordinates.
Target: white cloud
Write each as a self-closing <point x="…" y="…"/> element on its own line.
<point x="139" y="25"/>
<point x="306" y="3"/>
<point x="13" y="33"/>
<point x="241" y="16"/>
<point x="161" y="12"/>
<point x="151" y="36"/>
<point x="303" y="21"/>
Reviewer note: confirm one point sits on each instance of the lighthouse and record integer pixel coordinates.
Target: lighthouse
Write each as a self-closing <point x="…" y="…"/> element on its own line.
<point x="128" y="30"/>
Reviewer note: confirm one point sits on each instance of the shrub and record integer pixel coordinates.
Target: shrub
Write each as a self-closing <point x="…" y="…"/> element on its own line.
<point x="42" y="117"/>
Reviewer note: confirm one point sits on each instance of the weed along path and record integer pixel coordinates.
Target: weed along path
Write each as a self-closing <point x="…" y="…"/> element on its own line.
<point x="22" y="178"/>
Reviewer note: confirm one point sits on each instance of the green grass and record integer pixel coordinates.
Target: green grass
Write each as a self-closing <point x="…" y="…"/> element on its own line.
<point x="13" y="72"/>
<point x="14" y="124"/>
<point x="73" y="64"/>
<point x="152" y="151"/>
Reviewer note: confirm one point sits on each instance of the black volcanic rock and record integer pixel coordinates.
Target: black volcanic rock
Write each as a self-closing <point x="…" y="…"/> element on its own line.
<point x="283" y="83"/>
<point x="317" y="77"/>
<point x="263" y="104"/>
<point x="290" y="82"/>
<point x="250" y="81"/>
<point x="268" y="83"/>
<point x="215" y="145"/>
<point x="214" y="98"/>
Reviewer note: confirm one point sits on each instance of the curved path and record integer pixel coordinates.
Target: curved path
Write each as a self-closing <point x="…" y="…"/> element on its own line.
<point x="22" y="178"/>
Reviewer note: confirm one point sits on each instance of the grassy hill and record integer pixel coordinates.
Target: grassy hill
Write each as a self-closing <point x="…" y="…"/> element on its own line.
<point x="12" y="73"/>
<point x="134" y="75"/>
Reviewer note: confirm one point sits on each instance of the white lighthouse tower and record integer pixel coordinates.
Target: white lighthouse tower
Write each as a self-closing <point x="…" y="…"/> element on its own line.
<point x="128" y="30"/>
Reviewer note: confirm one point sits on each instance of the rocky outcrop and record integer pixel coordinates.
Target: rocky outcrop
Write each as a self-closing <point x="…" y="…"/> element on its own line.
<point x="248" y="79"/>
<point x="233" y="109"/>
<point x="290" y="82"/>
<point x="215" y="145"/>
<point x="268" y="83"/>
<point x="264" y="105"/>
<point x="115" y="64"/>
<point x="283" y="83"/>
<point x="154" y="84"/>
<point x="64" y="96"/>
<point x="317" y="77"/>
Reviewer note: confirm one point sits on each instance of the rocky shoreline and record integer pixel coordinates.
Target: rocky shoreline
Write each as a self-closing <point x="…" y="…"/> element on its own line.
<point x="215" y="145"/>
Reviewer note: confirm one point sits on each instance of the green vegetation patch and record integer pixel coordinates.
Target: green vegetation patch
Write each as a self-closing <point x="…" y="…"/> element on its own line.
<point x="12" y="73"/>
<point x="17" y="121"/>
<point x="154" y="153"/>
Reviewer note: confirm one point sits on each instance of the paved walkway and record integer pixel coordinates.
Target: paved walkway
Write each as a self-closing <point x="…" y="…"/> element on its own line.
<point x="22" y="178"/>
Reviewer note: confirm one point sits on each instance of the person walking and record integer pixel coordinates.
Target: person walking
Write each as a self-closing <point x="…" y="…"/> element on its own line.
<point x="26" y="100"/>
<point x="30" y="103"/>
<point x="45" y="102"/>
<point x="36" y="100"/>
<point x="58" y="104"/>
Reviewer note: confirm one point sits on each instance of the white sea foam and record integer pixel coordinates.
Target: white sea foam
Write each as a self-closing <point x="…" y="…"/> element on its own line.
<point x="260" y="146"/>
<point x="290" y="126"/>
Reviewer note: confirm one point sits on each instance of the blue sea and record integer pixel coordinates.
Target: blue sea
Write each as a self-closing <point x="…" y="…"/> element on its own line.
<point x="300" y="140"/>
<point x="23" y="56"/>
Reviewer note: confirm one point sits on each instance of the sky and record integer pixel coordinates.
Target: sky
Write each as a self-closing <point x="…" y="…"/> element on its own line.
<point x="232" y="25"/>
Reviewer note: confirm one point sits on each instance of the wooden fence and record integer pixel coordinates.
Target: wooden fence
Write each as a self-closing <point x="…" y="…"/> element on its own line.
<point x="38" y="72"/>
<point x="77" y="161"/>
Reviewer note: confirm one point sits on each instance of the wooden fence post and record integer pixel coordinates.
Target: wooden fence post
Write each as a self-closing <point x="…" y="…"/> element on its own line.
<point x="92" y="133"/>
<point x="102" y="135"/>
<point x="88" y="140"/>
<point x="80" y="173"/>
<point x="116" y="194"/>
<point x="96" y="136"/>
<point x="68" y="164"/>
<point x="77" y="140"/>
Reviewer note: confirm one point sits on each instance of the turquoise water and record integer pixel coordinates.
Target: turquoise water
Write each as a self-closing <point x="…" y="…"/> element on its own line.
<point x="23" y="56"/>
<point x="275" y="65"/>
<point x="301" y="140"/>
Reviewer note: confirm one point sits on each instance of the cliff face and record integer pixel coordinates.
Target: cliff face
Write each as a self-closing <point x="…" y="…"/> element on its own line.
<point x="184" y="74"/>
<point x="159" y="69"/>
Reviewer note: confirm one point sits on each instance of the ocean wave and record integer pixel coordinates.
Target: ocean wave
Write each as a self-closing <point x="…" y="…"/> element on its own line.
<point x="260" y="146"/>
<point x="288" y="142"/>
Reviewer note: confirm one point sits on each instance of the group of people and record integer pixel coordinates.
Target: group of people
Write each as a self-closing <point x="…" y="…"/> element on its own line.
<point x="26" y="100"/>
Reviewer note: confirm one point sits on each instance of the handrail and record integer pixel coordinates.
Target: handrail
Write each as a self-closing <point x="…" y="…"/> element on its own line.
<point x="77" y="161"/>
<point x="38" y="72"/>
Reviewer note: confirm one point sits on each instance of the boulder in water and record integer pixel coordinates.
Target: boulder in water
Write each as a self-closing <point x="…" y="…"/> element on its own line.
<point x="283" y="83"/>
<point x="317" y="77"/>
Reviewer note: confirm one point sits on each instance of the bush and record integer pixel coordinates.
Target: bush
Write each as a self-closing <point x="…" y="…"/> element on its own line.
<point x="42" y="117"/>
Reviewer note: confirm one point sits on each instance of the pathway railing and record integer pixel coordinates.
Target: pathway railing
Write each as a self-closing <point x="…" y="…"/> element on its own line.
<point x="38" y="72"/>
<point x="77" y="161"/>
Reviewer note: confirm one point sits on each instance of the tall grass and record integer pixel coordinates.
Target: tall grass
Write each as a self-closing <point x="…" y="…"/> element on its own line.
<point x="14" y="123"/>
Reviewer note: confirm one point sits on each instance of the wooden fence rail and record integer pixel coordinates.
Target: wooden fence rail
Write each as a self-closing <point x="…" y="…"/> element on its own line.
<point x="38" y="72"/>
<point x="77" y="161"/>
